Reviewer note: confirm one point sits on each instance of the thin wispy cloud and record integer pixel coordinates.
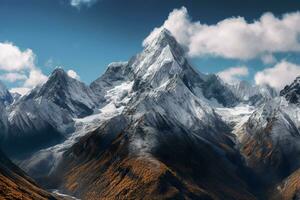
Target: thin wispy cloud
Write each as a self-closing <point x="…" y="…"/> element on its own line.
<point x="79" y="3"/>
<point x="13" y="77"/>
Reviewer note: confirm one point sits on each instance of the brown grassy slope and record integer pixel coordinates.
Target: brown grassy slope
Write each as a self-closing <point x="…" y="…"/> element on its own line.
<point x="268" y="161"/>
<point x="288" y="189"/>
<point x="15" y="185"/>
<point x="178" y="169"/>
<point x="121" y="177"/>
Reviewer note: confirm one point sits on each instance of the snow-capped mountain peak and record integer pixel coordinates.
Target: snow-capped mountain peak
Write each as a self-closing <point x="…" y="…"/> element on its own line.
<point x="67" y="93"/>
<point x="47" y="113"/>
<point x="58" y="78"/>
<point x="161" y="60"/>
<point x="163" y="39"/>
<point x="161" y="56"/>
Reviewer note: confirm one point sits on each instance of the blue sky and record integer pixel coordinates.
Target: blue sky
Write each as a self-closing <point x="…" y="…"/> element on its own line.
<point x="87" y="37"/>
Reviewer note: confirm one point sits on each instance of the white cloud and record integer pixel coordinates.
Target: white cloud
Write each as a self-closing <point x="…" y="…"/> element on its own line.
<point x="71" y="73"/>
<point x="282" y="74"/>
<point x="36" y="77"/>
<point x="13" y="77"/>
<point x="234" y="37"/>
<point x="20" y="90"/>
<point x="232" y="75"/>
<point x="268" y="59"/>
<point x="14" y="59"/>
<point x="18" y="65"/>
<point x="79" y="3"/>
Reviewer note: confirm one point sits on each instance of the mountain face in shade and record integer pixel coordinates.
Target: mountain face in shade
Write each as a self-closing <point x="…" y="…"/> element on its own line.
<point x="5" y="96"/>
<point x="271" y="141"/>
<point x="292" y="92"/>
<point x="67" y="93"/>
<point x="5" y="100"/>
<point x="16" y="96"/>
<point x="115" y="74"/>
<point x="152" y="159"/>
<point x="268" y="139"/>
<point x="15" y="185"/>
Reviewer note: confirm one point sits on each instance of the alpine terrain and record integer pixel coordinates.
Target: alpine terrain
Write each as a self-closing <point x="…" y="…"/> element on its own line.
<point x="153" y="127"/>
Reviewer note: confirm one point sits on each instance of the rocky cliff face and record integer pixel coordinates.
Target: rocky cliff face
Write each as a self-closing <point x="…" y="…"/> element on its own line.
<point x="291" y="92"/>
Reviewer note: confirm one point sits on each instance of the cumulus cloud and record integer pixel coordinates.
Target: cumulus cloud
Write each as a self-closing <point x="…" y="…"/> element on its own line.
<point x="282" y="74"/>
<point x="14" y="59"/>
<point x="71" y="73"/>
<point x="79" y="3"/>
<point x="36" y="77"/>
<point x="234" y="37"/>
<point x="232" y="75"/>
<point x="19" y="65"/>
<point x="13" y="77"/>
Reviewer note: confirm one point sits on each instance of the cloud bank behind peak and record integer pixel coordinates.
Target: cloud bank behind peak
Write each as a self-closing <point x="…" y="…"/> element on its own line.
<point x="234" y="37"/>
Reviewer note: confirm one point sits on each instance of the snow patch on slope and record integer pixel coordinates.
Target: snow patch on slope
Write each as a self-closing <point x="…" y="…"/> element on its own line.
<point x="236" y="116"/>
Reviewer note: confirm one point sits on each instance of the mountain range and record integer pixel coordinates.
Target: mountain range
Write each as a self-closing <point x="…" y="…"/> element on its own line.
<point x="153" y="127"/>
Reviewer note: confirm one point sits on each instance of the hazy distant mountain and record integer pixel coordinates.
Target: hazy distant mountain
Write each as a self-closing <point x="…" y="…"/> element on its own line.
<point x="252" y="94"/>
